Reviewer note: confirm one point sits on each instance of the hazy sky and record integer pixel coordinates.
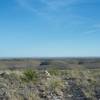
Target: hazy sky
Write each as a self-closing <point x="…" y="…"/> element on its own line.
<point x="49" y="28"/>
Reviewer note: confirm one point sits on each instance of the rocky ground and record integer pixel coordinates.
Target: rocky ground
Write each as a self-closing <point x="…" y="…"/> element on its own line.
<point x="51" y="84"/>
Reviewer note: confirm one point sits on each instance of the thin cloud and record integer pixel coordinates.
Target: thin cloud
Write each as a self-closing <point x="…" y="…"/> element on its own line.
<point x="89" y="32"/>
<point x="57" y="4"/>
<point x="48" y="5"/>
<point x="25" y="4"/>
<point x="95" y="29"/>
<point x="51" y="10"/>
<point x="97" y="26"/>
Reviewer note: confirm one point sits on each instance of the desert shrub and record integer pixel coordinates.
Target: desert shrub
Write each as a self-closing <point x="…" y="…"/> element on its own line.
<point x="77" y="73"/>
<point x="30" y="96"/>
<point x="65" y="73"/>
<point x="44" y="63"/>
<point x="89" y="93"/>
<point x="80" y="62"/>
<point x="55" y="83"/>
<point x="13" y="77"/>
<point x="34" y="97"/>
<point x="30" y="75"/>
<point x="54" y="71"/>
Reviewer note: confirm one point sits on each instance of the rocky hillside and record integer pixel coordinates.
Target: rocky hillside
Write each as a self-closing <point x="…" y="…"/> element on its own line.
<point x="51" y="84"/>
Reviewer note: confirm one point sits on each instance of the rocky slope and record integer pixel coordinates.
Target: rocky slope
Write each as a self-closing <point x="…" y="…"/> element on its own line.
<point x="51" y="84"/>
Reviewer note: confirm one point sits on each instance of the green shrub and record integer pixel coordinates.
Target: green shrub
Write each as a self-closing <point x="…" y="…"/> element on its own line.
<point x="30" y="75"/>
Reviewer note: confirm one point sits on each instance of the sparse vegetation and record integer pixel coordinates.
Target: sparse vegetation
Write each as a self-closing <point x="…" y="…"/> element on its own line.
<point x="54" y="71"/>
<point x="63" y="84"/>
<point x="55" y="83"/>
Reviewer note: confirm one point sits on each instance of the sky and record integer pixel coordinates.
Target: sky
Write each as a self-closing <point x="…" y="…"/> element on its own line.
<point x="49" y="28"/>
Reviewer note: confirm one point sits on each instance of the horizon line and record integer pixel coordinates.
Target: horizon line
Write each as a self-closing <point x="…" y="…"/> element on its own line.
<point x="49" y="57"/>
